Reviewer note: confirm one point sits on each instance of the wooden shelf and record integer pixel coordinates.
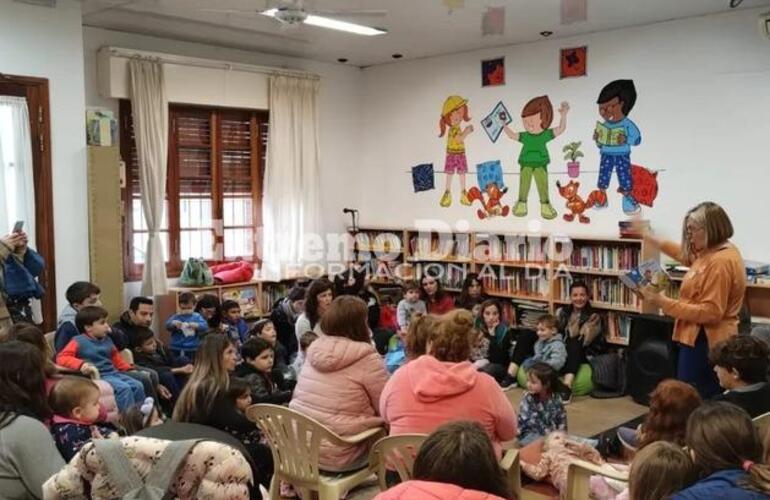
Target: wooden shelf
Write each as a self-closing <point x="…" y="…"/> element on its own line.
<point x="422" y="258"/>
<point x="589" y="270"/>
<point x="604" y="305"/>
<point x="511" y="263"/>
<point x="520" y="296"/>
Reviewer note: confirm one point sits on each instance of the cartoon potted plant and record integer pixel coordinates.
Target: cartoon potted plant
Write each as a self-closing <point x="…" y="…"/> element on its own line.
<point x="571" y="154"/>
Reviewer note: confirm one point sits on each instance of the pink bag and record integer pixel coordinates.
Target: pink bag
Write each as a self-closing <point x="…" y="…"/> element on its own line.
<point x="233" y="272"/>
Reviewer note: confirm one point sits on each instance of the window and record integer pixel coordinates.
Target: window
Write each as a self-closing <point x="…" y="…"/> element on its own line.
<point x="213" y="191"/>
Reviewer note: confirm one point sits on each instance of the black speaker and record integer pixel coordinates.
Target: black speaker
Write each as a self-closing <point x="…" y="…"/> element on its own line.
<point x="652" y="355"/>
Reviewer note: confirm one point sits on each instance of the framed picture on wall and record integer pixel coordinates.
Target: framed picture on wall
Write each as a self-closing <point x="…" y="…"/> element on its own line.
<point x="573" y="62"/>
<point x="493" y="72"/>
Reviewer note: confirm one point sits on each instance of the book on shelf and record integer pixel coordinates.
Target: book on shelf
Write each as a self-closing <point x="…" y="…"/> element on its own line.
<point x="618" y="328"/>
<point x="604" y="257"/>
<point x="246" y="297"/>
<point x="608" y="291"/>
<point x="754" y="268"/>
<point x="648" y="274"/>
<point x="528" y="313"/>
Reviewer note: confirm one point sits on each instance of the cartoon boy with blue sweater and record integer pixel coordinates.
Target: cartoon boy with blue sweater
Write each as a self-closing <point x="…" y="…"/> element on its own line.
<point x="615" y="101"/>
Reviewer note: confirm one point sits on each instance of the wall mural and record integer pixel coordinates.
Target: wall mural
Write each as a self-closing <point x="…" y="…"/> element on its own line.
<point x="615" y="135"/>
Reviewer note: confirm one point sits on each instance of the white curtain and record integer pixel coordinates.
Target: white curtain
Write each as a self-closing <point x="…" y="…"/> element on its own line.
<point x="291" y="204"/>
<point x="17" y="188"/>
<point x="149" y="108"/>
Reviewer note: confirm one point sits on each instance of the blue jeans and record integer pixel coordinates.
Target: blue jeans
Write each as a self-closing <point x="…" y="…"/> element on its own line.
<point x="693" y="367"/>
<point x="128" y="391"/>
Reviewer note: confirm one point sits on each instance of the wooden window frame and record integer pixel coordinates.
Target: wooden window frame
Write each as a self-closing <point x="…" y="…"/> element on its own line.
<point x="258" y="119"/>
<point x="35" y="90"/>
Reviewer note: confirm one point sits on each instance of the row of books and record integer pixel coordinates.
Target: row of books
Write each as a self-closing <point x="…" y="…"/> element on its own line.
<point x="516" y="282"/>
<point x="618" y="327"/>
<point x="445" y="246"/>
<point x="528" y="313"/>
<point x="605" y="257"/>
<point x="606" y="290"/>
<point x="496" y="250"/>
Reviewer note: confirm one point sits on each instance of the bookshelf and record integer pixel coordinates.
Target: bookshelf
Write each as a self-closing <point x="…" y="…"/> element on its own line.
<point x="256" y="297"/>
<point x="536" y="269"/>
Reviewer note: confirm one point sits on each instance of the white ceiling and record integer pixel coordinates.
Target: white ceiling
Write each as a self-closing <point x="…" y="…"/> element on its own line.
<point x="416" y="28"/>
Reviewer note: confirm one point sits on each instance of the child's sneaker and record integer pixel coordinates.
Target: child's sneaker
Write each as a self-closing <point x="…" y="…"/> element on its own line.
<point x="520" y="210"/>
<point x="446" y="200"/>
<point x="566" y="395"/>
<point x="464" y="198"/>
<point x="547" y="211"/>
<point x="600" y="198"/>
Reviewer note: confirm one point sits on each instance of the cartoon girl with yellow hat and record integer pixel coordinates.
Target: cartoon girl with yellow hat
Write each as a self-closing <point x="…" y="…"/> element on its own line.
<point x="454" y="112"/>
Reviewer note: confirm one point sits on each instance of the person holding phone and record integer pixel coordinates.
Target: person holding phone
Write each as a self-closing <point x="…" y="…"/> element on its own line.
<point x="20" y="266"/>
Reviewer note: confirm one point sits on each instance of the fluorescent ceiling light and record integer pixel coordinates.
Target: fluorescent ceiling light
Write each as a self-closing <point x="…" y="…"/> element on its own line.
<point x="325" y="22"/>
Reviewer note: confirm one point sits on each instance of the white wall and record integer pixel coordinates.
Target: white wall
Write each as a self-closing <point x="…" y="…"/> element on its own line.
<point x="703" y="110"/>
<point x="48" y="43"/>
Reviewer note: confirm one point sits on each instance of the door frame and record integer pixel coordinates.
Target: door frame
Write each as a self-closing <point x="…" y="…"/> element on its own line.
<point x="35" y="90"/>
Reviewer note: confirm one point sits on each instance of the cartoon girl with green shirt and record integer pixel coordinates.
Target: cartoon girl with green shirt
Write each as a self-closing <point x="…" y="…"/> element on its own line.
<point x="537" y="116"/>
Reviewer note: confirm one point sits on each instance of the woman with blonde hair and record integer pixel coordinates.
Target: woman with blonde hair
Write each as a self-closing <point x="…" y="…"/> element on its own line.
<point x="443" y="385"/>
<point x="711" y="295"/>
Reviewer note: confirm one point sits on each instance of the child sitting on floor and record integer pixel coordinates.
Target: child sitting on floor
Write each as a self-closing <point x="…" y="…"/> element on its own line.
<point x="186" y="327"/>
<point x="267" y="385"/>
<point x="239" y="395"/>
<point x="541" y="410"/>
<point x="151" y="353"/>
<point x="75" y="403"/>
<point x="265" y="329"/>
<point x="139" y="417"/>
<point x="93" y="352"/>
<point x="558" y="451"/>
<point x="305" y="340"/>
<point x="549" y="348"/>
<point x="237" y="329"/>
<point x="741" y="367"/>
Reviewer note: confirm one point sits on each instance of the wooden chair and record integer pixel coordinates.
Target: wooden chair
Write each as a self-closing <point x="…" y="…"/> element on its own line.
<point x="49" y="338"/>
<point x="295" y="440"/>
<point x="762" y="422"/>
<point x="400" y="452"/>
<point x="579" y="475"/>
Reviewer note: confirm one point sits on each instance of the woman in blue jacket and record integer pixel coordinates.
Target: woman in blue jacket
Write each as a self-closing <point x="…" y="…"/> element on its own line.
<point x="726" y="449"/>
<point x="19" y="268"/>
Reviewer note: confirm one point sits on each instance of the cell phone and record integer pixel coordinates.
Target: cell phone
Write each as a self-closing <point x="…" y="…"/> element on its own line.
<point x="18" y="226"/>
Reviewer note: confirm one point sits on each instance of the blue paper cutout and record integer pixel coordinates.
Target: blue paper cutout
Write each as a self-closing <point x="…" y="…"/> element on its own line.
<point x="423" y="177"/>
<point x="490" y="172"/>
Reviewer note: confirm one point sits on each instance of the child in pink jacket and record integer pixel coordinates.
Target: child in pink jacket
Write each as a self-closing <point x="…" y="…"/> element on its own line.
<point x="443" y="385"/>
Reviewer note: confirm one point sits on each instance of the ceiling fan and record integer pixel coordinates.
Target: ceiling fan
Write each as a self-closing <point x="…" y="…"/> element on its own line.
<point x="293" y="13"/>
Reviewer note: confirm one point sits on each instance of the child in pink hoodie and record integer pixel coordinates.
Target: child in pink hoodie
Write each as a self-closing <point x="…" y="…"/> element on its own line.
<point x="443" y="386"/>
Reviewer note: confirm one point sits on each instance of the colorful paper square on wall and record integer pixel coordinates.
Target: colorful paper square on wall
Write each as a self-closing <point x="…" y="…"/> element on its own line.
<point x="573" y="62"/>
<point x="493" y="72"/>
<point x="423" y="178"/>
<point x="490" y="172"/>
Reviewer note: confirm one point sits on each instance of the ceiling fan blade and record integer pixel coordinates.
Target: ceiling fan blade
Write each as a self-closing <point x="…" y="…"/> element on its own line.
<point x="229" y="11"/>
<point x="350" y="13"/>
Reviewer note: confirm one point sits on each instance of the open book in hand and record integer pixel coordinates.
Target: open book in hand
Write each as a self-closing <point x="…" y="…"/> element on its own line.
<point x="648" y="273"/>
<point x="607" y="136"/>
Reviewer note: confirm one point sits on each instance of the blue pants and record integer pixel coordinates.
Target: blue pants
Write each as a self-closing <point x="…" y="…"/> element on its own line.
<point x="693" y="367"/>
<point x="622" y="165"/>
<point x="128" y="391"/>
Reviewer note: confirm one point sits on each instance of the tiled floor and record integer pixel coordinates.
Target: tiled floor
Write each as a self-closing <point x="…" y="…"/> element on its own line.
<point x="586" y="416"/>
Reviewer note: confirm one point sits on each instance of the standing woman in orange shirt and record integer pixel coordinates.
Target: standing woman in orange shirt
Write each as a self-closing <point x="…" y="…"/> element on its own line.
<point x="711" y="295"/>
